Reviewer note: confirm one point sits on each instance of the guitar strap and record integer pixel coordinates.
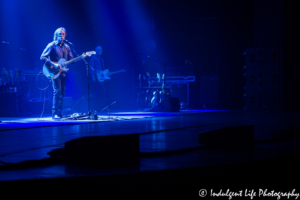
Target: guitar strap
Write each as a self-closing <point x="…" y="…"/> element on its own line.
<point x="64" y="51"/>
<point x="101" y="63"/>
<point x="64" y="73"/>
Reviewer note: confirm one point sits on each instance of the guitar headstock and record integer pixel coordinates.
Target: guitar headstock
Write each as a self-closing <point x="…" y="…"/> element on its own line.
<point x="3" y="76"/>
<point x="16" y="74"/>
<point x="90" y="53"/>
<point x="5" y="72"/>
<point x="163" y="83"/>
<point x="158" y="76"/>
<point x="147" y="73"/>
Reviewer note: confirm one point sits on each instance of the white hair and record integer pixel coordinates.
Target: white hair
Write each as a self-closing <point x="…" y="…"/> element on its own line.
<point x="58" y="31"/>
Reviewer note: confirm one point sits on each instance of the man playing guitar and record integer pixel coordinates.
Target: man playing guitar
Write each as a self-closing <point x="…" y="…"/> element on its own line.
<point x="99" y="74"/>
<point x="98" y="88"/>
<point x="52" y="54"/>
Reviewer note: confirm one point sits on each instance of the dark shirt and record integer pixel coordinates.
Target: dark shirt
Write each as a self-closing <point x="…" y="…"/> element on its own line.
<point x="96" y="63"/>
<point x="54" y="52"/>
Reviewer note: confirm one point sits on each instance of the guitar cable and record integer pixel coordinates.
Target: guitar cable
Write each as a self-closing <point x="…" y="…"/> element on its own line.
<point x="43" y="89"/>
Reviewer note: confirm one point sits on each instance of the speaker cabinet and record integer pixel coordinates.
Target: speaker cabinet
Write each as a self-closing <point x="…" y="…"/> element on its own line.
<point x="257" y="100"/>
<point x="171" y="104"/>
<point x="209" y="89"/>
<point x="263" y="79"/>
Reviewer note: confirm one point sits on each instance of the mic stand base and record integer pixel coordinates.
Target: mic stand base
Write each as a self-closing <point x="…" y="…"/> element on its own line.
<point x="85" y="116"/>
<point x="89" y="116"/>
<point x="108" y="108"/>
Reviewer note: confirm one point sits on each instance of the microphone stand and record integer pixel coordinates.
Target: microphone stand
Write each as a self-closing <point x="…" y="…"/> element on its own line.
<point x="89" y="115"/>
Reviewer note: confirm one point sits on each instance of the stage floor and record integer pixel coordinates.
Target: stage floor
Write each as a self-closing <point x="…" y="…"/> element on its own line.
<point x="167" y="141"/>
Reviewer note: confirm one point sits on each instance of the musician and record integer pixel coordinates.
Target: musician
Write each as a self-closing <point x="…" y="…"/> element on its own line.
<point x="50" y="56"/>
<point x="98" y="88"/>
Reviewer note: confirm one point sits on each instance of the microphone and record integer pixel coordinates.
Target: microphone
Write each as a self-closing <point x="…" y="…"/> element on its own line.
<point x="68" y="42"/>
<point x="5" y="42"/>
<point x="113" y="103"/>
<point x="144" y="54"/>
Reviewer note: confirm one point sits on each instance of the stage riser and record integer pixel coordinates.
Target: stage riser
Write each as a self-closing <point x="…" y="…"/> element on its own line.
<point x="237" y="137"/>
<point x="104" y="151"/>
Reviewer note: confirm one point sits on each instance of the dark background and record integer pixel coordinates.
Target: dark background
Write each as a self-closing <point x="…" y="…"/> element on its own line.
<point x="211" y="34"/>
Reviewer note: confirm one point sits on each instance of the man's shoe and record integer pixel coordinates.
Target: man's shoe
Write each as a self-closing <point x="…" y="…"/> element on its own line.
<point x="56" y="117"/>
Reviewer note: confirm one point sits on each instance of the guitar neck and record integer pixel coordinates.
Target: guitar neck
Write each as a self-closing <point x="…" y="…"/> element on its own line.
<point x="73" y="60"/>
<point x="17" y="78"/>
<point x="12" y="76"/>
<point x="7" y="79"/>
<point x="116" y="72"/>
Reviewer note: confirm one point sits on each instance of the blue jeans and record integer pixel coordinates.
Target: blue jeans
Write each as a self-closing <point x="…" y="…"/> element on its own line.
<point x="59" y="88"/>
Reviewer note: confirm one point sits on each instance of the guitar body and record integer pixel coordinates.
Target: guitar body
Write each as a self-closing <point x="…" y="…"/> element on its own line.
<point x="52" y="72"/>
<point x="102" y="75"/>
<point x="154" y="100"/>
<point x="149" y="96"/>
<point x="164" y="104"/>
<point x="146" y="99"/>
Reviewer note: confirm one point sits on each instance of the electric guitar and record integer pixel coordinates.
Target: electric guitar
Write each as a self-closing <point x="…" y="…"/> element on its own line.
<point x="139" y="93"/>
<point x="12" y="77"/>
<point x="102" y="75"/>
<point x="154" y="100"/>
<point x="17" y="76"/>
<point x="3" y="71"/>
<point x="162" y="92"/>
<point x="6" y="74"/>
<point x="148" y="94"/>
<point x="51" y="72"/>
